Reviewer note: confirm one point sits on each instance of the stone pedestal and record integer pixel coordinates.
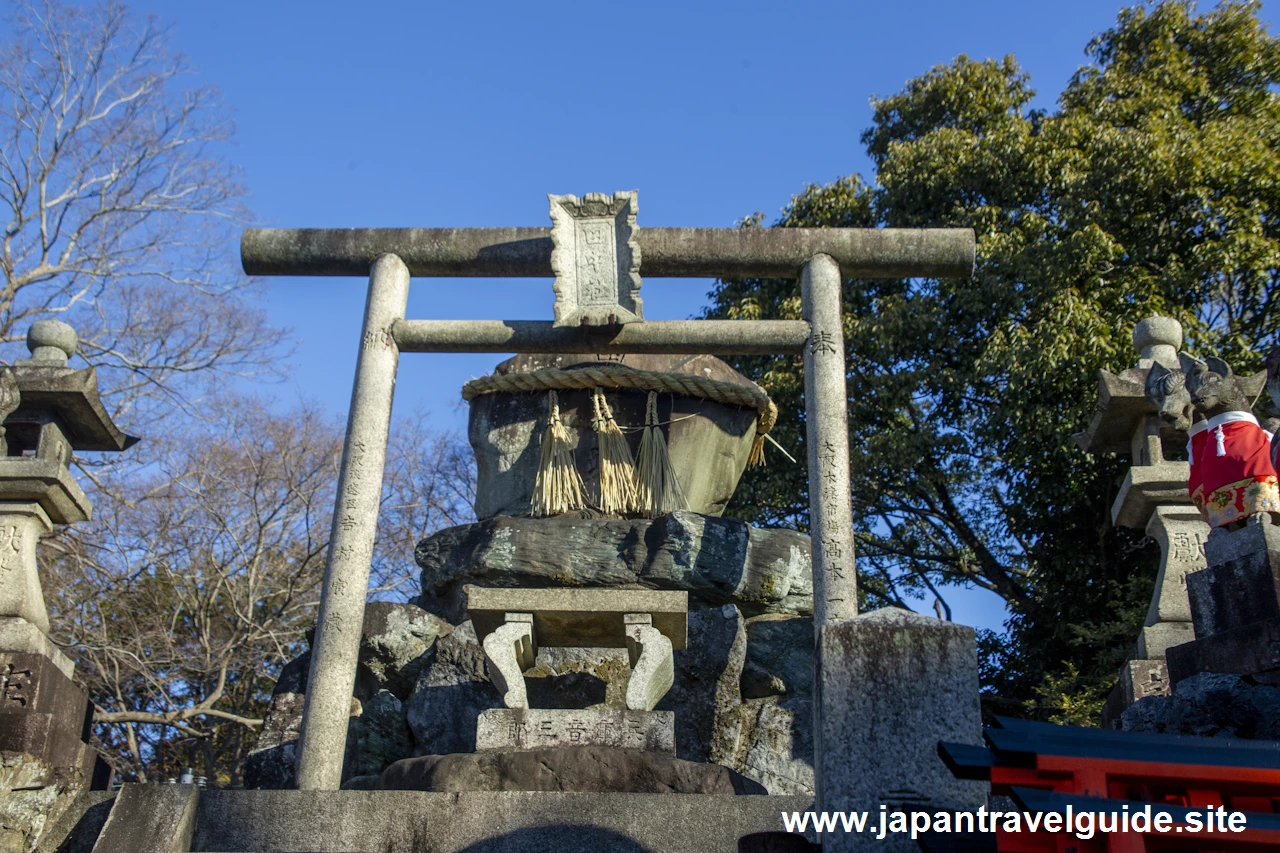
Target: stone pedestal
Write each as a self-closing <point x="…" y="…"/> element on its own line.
<point x="1235" y="608"/>
<point x="536" y="728"/>
<point x="46" y="716"/>
<point x="1181" y="532"/>
<point x="1139" y="678"/>
<point x="894" y="684"/>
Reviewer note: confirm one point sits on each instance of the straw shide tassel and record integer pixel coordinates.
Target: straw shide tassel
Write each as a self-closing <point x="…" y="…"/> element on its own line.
<point x="756" y="458"/>
<point x="558" y="487"/>
<point x="657" y="490"/>
<point x="617" y="475"/>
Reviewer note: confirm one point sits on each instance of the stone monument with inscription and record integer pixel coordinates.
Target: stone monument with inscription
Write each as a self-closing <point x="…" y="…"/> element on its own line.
<point x="596" y="259"/>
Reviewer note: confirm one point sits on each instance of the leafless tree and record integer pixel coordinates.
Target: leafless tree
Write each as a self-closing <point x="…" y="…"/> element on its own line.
<point x="199" y="572"/>
<point x="196" y="581"/>
<point x="119" y="211"/>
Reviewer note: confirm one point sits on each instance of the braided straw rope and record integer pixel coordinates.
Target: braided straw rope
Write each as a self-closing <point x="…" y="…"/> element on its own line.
<point x="620" y="376"/>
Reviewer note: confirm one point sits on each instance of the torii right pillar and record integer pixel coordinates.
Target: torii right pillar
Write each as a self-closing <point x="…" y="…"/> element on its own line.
<point x="889" y="684"/>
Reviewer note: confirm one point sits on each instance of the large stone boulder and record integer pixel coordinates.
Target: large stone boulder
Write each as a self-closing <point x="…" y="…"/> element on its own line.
<point x="718" y="560"/>
<point x="450" y="694"/>
<point x="1209" y="705"/>
<point x="396" y="645"/>
<point x="583" y="768"/>
<point x="709" y="442"/>
<point x="393" y="647"/>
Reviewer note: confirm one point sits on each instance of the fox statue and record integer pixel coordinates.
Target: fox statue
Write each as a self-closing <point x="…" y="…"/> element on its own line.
<point x="1233" y="476"/>
<point x="1167" y="389"/>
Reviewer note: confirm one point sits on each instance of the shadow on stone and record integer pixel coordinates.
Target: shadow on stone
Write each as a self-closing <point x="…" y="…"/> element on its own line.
<point x="775" y="842"/>
<point x="83" y="834"/>
<point x="577" y="769"/>
<point x="570" y="690"/>
<point x="558" y="839"/>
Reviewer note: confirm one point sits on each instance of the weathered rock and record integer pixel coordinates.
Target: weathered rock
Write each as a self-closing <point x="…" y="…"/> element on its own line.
<point x="718" y="560"/>
<point x="779" y="657"/>
<point x="709" y="442"/>
<point x="450" y="694"/>
<point x="588" y="768"/>
<point x="706" y="688"/>
<point x="776" y="744"/>
<point x="774" y="724"/>
<point x="377" y="737"/>
<point x="894" y="684"/>
<point x="271" y="763"/>
<point x="1210" y="705"/>
<point x="578" y="678"/>
<point x="30" y="796"/>
<point x="394" y="646"/>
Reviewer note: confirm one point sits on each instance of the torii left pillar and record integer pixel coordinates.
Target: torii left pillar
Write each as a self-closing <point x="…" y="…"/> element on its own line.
<point x="889" y="684"/>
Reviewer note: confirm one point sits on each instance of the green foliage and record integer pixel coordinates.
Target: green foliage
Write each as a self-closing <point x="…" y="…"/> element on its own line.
<point x="1153" y="188"/>
<point x="1067" y="699"/>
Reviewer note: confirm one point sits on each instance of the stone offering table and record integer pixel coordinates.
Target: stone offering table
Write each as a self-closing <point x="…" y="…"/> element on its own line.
<point x="512" y="623"/>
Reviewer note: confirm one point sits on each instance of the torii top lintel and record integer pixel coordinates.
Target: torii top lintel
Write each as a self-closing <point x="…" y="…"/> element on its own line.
<point x="665" y="252"/>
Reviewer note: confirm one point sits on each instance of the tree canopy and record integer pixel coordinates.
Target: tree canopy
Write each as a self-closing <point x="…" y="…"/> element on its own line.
<point x="1153" y="187"/>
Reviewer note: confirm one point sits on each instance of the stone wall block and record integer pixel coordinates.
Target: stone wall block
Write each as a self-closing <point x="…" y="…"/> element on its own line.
<point x="150" y="818"/>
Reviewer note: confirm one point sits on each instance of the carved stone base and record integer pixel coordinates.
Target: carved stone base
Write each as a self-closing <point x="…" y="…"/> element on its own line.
<point x="1138" y="680"/>
<point x="44" y="714"/>
<point x="1252" y="650"/>
<point x="535" y="728"/>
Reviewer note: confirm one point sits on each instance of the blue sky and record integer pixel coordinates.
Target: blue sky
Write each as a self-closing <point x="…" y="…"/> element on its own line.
<point x="468" y="114"/>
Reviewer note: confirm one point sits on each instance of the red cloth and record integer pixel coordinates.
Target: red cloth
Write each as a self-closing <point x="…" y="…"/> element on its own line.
<point x="1232" y="475"/>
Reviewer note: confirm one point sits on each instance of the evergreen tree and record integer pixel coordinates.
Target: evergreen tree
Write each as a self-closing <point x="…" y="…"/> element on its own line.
<point x="1154" y="187"/>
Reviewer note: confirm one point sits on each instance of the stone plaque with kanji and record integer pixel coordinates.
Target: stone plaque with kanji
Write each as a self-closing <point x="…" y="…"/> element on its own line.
<point x="596" y="259"/>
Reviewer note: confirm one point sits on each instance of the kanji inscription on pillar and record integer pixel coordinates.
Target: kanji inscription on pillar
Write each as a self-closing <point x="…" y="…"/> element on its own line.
<point x="596" y="259"/>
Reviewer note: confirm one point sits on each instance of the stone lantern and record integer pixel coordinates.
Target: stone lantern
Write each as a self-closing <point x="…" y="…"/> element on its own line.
<point x="49" y="410"/>
<point x="1153" y="498"/>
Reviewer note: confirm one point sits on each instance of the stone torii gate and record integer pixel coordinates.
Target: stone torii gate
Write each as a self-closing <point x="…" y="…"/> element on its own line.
<point x="820" y="258"/>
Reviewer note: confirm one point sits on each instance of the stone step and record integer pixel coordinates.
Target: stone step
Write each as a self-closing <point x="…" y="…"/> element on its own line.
<point x="406" y="821"/>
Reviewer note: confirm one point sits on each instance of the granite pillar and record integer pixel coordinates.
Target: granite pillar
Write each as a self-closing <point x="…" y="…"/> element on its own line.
<point x="835" y="586"/>
<point x="355" y="518"/>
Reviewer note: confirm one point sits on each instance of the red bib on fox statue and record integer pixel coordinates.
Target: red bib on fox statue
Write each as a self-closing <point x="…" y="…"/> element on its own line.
<point x="1232" y="475"/>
